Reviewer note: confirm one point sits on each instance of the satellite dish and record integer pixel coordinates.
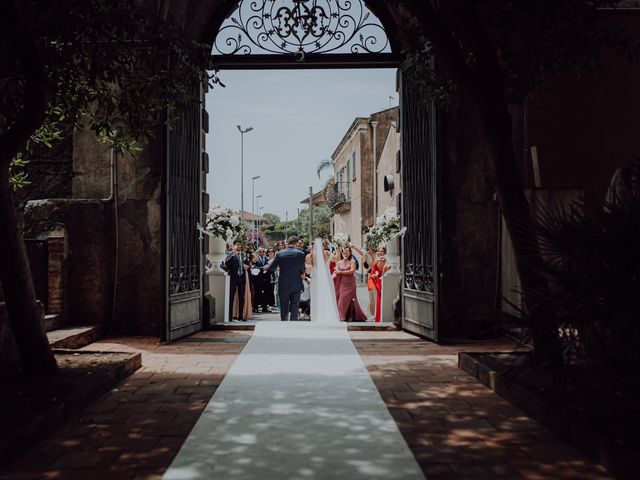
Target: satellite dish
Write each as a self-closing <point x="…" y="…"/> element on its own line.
<point x="388" y="183"/>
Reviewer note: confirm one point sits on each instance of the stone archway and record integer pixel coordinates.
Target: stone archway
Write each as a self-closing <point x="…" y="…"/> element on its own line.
<point x="293" y="35"/>
<point x="462" y="161"/>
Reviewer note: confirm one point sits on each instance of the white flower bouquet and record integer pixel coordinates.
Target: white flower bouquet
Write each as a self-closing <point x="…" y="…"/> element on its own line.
<point x="223" y="222"/>
<point x="340" y="239"/>
<point x="387" y="226"/>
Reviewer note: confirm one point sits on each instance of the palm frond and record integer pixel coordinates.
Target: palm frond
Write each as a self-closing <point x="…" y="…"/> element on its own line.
<point x="324" y="164"/>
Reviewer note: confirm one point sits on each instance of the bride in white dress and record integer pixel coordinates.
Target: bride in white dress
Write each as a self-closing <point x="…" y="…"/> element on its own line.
<point x="323" y="295"/>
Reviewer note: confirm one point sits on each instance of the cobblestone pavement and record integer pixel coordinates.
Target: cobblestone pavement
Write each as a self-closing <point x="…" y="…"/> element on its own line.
<point x="455" y="426"/>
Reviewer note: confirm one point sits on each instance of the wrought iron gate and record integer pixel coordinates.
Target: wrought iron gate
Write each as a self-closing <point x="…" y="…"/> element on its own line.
<point x="184" y="181"/>
<point x="419" y="209"/>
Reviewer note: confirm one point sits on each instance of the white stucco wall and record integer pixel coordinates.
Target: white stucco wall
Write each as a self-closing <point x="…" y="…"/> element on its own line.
<point x="387" y="166"/>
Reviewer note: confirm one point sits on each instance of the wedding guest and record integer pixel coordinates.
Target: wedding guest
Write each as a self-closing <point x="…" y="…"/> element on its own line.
<point x="346" y="289"/>
<point x="234" y="265"/>
<point x="378" y="269"/>
<point x="305" y="299"/>
<point x="368" y="258"/>
<point x="276" y="273"/>
<point x="270" y="292"/>
<point x="243" y="308"/>
<point x="300" y="245"/>
<point x="261" y="281"/>
<point x="291" y="264"/>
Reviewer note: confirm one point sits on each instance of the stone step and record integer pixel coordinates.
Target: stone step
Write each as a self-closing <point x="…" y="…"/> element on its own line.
<point x="53" y="321"/>
<point x="73" y="337"/>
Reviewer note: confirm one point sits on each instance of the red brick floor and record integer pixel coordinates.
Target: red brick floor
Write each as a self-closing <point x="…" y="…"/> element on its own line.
<point x="455" y="426"/>
<point x="135" y="431"/>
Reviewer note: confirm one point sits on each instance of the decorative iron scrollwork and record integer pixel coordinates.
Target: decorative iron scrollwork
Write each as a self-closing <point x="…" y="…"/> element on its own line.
<point x="418" y="184"/>
<point x="301" y="27"/>
<point x="174" y="280"/>
<point x="409" y="276"/>
<point x="183" y="201"/>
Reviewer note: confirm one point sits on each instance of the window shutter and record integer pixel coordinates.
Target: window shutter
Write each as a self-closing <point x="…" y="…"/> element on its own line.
<point x="353" y="165"/>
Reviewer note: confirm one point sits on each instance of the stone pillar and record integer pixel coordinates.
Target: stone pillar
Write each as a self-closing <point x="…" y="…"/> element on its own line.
<point x="218" y="282"/>
<point x="390" y="282"/>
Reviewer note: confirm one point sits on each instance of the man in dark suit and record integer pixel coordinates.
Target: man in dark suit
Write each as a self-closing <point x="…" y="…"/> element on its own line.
<point x="291" y="263"/>
<point x="234" y="266"/>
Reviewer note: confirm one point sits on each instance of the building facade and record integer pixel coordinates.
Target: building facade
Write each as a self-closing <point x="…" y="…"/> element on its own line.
<point x="353" y="196"/>
<point x="389" y="182"/>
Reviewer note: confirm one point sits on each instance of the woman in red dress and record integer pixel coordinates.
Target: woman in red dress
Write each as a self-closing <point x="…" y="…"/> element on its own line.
<point x="378" y="269"/>
<point x="345" y="283"/>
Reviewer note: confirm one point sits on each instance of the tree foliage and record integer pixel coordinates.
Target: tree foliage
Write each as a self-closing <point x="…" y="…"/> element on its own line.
<point x="113" y="61"/>
<point x="321" y="221"/>
<point x="592" y="262"/>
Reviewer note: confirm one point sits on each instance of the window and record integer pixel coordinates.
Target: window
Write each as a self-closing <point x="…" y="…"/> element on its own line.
<point x="340" y="180"/>
<point x="348" y="181"/>
<point x="353" y="165"/>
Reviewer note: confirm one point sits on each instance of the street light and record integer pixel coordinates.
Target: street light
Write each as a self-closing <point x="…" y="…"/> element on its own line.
<point x="253" y="201"/>
<point x="242" y="132"/>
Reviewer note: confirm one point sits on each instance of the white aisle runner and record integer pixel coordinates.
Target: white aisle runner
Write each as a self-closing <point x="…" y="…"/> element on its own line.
<point x="298" y="403"/>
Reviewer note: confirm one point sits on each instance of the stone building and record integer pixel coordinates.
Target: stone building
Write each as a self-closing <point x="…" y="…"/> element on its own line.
<point x="353" y="198"/>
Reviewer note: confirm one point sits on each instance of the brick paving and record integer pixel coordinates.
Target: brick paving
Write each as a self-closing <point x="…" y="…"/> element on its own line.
<point x="457" y="428"/>
<point x="135" y="431"/>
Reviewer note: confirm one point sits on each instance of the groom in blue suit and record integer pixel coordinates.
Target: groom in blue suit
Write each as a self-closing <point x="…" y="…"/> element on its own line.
<point x="291" y="263"/>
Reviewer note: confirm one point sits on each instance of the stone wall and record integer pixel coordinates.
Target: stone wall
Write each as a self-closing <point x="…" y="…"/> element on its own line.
<point x="89" y="239"/>
<point x="57" y="253"/>
<point x="140" y="279"/>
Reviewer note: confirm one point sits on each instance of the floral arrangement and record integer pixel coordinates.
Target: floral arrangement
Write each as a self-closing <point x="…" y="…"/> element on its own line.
<point x="223" y="222"/>
<point x="387" y="226"/>
<point x="340" y="239"/>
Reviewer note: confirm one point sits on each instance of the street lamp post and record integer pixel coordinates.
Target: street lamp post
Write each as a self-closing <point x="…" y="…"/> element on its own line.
<point x="242" y="132"/>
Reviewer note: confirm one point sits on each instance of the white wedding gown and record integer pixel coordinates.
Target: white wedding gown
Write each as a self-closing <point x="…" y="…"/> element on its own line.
<point x="324" y="307"/>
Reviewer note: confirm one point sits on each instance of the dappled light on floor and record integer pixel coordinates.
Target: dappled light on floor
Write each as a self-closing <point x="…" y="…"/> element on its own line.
<point x="297" y="404"/>
<point x="456" y="427"/>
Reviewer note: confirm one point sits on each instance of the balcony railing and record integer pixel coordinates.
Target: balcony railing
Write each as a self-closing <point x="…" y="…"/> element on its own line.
<point x="337" y="201"/>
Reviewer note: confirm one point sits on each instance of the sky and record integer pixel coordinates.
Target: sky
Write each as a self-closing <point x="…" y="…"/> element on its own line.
<point x="299" y="117"/>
